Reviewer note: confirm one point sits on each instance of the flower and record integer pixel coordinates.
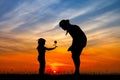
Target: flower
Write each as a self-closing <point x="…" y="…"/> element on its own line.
<point x="55" y="42"/>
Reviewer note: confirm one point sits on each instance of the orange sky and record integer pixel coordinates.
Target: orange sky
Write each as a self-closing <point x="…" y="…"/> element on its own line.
<point x="19" y="54"/>
<point x="23" y="22"/>
<point x="98" y="59"/>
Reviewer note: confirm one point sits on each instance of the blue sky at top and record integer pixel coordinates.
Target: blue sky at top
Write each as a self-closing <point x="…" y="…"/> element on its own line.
<point x="36" y="18"/>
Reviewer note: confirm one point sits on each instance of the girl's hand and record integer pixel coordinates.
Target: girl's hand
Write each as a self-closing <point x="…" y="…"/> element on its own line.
<point x="55" y="42"/>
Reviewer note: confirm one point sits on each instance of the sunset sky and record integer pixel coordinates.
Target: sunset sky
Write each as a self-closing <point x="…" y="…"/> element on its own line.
<point x="22" y="22"/>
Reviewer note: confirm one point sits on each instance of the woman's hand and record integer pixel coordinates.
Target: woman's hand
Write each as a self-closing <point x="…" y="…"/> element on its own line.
<point x="69" y="49"/>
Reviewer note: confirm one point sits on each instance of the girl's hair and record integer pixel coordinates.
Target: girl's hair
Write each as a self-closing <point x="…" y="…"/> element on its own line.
<point x="41" y="41"/>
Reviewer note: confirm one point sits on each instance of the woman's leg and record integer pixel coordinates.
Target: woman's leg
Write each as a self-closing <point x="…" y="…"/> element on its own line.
<point x="76" y="60"/>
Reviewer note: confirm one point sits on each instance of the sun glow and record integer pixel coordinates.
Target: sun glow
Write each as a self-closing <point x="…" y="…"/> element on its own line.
<point x="54" y="71"/>
<point x="54" y="68"/>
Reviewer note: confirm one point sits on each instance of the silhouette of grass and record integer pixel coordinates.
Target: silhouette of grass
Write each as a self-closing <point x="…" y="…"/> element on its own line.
<point x="59" y="77"/>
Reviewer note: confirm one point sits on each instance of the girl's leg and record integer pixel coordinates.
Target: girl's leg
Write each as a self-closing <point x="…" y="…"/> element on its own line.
<point x="42" y="67"/>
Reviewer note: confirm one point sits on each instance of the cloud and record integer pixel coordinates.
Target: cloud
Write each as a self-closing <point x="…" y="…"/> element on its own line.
<point x="22" y="22"/>
<point x="34" y="19"/>
<point x="31" y="17"/>
<point x="26" y="16"/>
<point x="12" y="43"/>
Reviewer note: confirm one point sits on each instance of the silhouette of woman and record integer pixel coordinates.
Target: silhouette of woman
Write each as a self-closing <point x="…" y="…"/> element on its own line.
<point x="41" y="57"/>
<point x="78" y="43"/>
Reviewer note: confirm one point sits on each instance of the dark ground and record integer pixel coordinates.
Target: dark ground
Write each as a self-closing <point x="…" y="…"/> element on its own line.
<point x="58" y="77"/>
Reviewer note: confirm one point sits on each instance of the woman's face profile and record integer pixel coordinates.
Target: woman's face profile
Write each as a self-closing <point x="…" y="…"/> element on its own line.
<point x="64" y="24"/>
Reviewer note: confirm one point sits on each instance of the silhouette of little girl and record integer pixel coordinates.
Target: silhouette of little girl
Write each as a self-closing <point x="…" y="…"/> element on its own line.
<point x="41" y="57"/>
